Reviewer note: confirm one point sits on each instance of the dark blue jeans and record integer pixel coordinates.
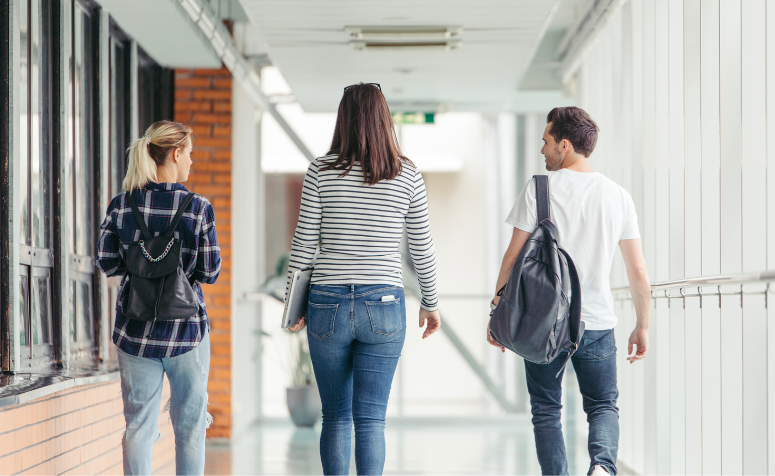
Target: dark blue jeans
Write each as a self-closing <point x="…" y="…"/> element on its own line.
<point x="595" y="366"/>
<point x="355" y="340"/>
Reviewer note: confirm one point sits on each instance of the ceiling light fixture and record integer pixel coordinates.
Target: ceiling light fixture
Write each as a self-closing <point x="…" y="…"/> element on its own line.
<point x="404" y="36"/>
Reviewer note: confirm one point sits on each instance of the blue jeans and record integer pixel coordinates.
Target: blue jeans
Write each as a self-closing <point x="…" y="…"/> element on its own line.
<point x="141" y="387"/>
<point x="355" y="340"/>
<point x="595" y="366"/>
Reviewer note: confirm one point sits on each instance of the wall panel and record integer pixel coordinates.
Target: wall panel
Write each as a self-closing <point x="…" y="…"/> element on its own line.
<point x="711" y="385"/>
<point x="675" y="205"/>
<point x="692" y="141"/>
<point x="677" y="372"/>
<point x="754" y="232"/>
<point x="730" y="141"/>
<point x="709" y="106"/>
<point x="731" y="352"/>
<point x="693" y="385"/>
<point x="754" y="404"/>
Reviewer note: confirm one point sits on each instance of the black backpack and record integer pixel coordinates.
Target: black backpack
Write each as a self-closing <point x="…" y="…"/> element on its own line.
<point x="534" y="317"/>
<point x="158" y="286"/>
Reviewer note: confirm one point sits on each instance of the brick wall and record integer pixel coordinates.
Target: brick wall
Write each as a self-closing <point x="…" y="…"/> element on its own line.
<point x="75" y="431"/>
<point x="203" y="102"/>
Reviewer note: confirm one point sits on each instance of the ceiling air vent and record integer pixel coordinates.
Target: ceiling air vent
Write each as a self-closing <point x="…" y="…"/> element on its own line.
<point x="403" y="37"/>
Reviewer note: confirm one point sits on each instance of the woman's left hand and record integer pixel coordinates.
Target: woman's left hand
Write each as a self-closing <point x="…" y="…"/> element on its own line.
<point x="299" y="326"/>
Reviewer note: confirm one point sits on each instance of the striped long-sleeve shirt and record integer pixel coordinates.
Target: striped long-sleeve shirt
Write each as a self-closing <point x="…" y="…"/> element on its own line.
<point x="360" y="227"/>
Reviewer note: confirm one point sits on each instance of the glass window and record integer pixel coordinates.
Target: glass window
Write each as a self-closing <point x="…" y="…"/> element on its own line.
<point x="155" y="89"/>
<point x="82" y="184"/>
<point x="35" y="184"/>
<point x="119" y="111"/>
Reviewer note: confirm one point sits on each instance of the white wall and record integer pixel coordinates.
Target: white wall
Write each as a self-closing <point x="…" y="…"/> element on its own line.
<point x="681" y="93"/>
<point x="247" y="266"/>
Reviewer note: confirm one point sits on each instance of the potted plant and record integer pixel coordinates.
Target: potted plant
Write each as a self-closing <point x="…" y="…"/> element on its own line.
<point x="302" y="395"/>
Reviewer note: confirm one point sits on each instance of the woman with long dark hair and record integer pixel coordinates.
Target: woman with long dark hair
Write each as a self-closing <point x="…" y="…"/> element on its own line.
<point x="355" y="202"/>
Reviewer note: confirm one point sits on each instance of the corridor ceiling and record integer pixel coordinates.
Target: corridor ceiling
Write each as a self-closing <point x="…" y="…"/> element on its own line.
<point x="307" y="41"/>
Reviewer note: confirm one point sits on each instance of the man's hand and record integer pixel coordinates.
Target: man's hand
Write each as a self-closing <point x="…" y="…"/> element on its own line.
<point x="491" y="340"/>
<point x="434" y="322"/>
<point x="299" y="325"/>
<point x="640" y="339"/>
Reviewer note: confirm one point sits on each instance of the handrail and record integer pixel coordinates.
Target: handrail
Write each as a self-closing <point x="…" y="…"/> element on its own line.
<point x="720" y="280"/>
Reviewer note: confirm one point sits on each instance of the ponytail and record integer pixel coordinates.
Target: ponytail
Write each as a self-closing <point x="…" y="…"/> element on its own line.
<point x="150" y="151"/>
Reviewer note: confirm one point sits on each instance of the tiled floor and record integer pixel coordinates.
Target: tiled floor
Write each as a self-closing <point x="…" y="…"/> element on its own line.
<point x="419" y="446"/>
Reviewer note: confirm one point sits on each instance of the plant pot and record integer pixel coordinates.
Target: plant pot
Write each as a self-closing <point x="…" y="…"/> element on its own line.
<point x="304" y="405"/>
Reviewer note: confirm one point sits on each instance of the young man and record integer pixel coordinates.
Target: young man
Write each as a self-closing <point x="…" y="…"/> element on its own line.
<point x="592" y="214"/>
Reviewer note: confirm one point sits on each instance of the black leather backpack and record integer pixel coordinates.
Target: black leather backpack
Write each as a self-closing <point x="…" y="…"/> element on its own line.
<point x="536" y="317"/>
<point x="158" y="286"/>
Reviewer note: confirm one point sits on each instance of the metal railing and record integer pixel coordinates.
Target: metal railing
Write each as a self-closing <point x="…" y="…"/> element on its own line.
<point x="684" y="285"/>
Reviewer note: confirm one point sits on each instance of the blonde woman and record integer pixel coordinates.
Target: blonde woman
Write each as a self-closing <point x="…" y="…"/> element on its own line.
<point x="158" y="163"/>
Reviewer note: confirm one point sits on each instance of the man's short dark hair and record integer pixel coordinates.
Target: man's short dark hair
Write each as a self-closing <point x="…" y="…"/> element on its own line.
<point x="574" y="124"/>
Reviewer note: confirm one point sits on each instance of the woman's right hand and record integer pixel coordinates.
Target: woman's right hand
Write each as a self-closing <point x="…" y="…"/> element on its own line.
<point x="434" y="322"/>
<point x="299" y="325"/>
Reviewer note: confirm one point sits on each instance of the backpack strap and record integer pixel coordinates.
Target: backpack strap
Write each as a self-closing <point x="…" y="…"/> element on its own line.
<point x="542" y="197"/>
<point x="574" y="320"/>
<point x="181" y="209"/>
<point x="138" y="216"/>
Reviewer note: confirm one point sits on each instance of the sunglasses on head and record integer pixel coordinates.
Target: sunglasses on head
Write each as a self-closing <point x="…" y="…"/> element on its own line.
<point x="372" y="84"/>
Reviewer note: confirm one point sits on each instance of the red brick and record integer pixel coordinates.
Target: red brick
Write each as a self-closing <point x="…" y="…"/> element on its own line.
<point x="220" y="349"/>
<point x="222" y="154"/>
<point x="212" y="142"/>
<point x="201" y="130"/>
<point x="222" y="178"/>
<point x="222" y="203"/>
<point x="222" y="83"/>
<point x="222" y="300"/>
<point x="218" y="312"/>
<point x="212" y="94"/>
<point x="222" y="130"/>
<point x="212" y="118"/>
<point x="192" y="82"/>
<point x="221" y="398"/>
<point x="215" y="167"/>
<point x="220" y="338"/>
<point x="215" y="386"/>
<point x="222" y="106"/>
<point x="205" y="106"/>
<point x="182" y="95"/>
<point x="182" y="73"/>
<point x="221" y="72"/>
<point x="212" y="191"/>
<point x="182" y="117"/>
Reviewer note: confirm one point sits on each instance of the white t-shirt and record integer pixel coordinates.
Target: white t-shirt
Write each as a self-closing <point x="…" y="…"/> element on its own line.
<point x="592" y="214"/>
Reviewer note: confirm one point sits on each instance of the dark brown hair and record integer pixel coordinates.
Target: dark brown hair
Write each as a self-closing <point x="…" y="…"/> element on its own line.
<point x="364" y="133"/>
<point x="574" y="124"/>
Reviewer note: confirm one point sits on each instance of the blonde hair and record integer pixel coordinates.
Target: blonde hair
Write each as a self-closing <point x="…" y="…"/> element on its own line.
<point x="150" y="151"/>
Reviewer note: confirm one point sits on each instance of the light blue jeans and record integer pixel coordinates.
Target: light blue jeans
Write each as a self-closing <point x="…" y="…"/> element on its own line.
<point x="142" y="379"/>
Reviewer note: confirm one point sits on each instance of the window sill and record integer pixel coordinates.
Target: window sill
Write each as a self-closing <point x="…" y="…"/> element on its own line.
<point x="25" y="387"/>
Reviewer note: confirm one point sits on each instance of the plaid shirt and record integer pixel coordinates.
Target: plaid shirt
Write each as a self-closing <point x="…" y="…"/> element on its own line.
<point x="200" y="257"/>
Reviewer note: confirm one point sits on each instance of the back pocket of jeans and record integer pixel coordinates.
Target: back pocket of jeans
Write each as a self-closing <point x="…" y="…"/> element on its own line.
<point x="320" y="319"/>
<point x="385" y="316"/>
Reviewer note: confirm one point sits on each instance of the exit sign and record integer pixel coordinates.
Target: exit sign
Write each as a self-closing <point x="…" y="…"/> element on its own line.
<point x="413" y="117"/>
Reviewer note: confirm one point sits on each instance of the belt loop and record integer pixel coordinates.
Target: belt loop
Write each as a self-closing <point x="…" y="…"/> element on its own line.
<point x="352" y="288"/>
